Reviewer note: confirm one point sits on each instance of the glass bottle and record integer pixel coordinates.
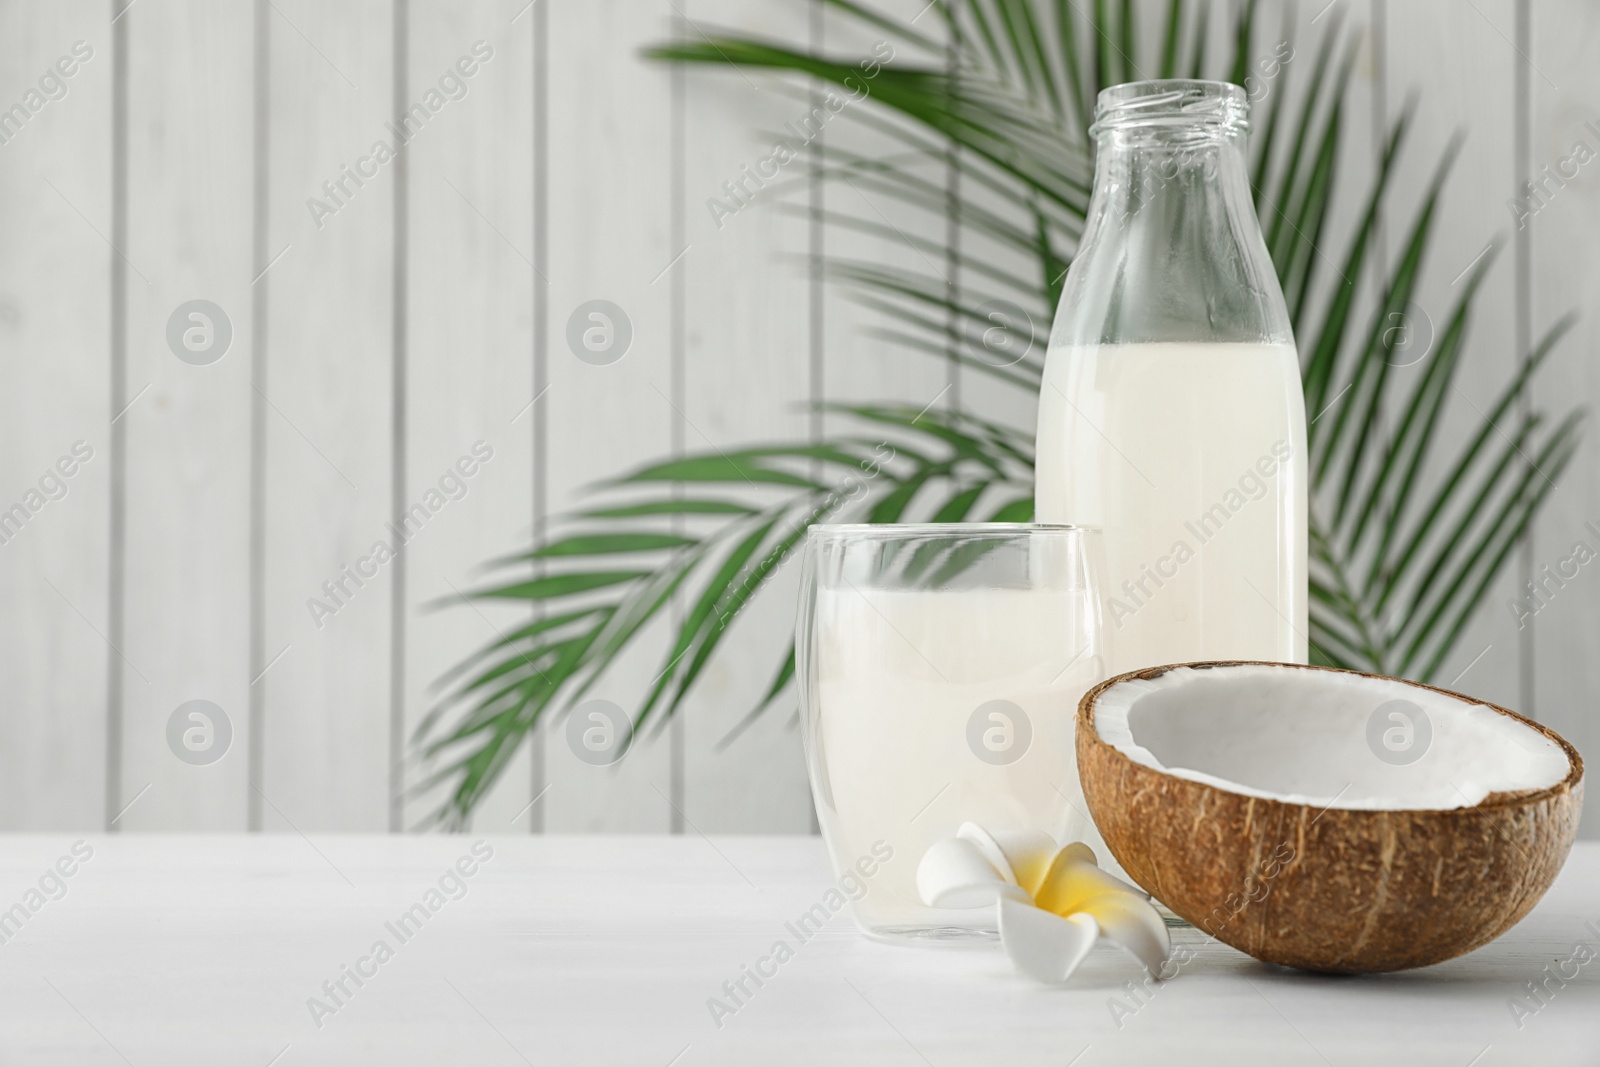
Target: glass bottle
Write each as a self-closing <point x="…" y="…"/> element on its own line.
<point x="1171" y="413"/>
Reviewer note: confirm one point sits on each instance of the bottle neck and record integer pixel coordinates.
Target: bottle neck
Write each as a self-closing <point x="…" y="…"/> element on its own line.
<point x="1159" y="173"/>
<point x="1172" y="249"/>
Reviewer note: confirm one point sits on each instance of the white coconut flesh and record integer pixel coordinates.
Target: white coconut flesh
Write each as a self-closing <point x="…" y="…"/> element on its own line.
<point x="1308" y="737"/>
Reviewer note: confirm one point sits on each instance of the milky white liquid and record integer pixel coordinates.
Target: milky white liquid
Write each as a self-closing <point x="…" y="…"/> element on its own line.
<point x="899" y="675"/>
<point x="1192" y="460"/>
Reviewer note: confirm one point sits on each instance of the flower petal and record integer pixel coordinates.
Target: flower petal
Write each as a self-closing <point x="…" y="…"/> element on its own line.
<point x="953" y="873"/>
<point x="1135" y="925"/>
<point x="1029" y="852"/>
<point x="1071" y="880"/>
<point x="985" y="842"/>
<point x="1077" y="850"/>
<point x="1044" y="946"/>
<point x="1022" y="856"/>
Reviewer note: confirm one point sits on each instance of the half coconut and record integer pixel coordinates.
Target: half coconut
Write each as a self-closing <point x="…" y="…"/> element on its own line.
<point x="1327" y="819"/>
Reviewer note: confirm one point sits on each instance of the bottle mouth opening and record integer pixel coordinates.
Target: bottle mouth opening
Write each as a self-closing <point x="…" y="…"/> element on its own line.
<point x="1172" y="103"/>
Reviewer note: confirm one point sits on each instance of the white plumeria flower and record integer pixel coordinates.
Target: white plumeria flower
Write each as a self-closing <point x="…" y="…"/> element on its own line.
<point x="1054" y="902"/>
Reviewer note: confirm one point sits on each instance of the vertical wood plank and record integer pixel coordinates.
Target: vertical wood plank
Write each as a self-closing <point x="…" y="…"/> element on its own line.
<point x="1464" y="78"/>
<point x="608" y="239"/>
<point x="323" y="660"/>
<point x="1564" y="82"/>
<point x="189" y="238"/>
<point x="747" y="379"/>
<point x="470" y="324"/>
<point x="858" y="366"/>
<point x="539" y="415"/>
<point x="1357" y="30"/>
<point x="399" y="399"/>
<point x="55" y="210"/>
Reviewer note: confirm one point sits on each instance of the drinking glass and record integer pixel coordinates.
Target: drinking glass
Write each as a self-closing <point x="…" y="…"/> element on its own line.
<point x="939" y="669"/>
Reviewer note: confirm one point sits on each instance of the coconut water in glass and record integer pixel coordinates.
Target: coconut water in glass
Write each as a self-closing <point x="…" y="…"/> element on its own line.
<point x="940" y="668"/>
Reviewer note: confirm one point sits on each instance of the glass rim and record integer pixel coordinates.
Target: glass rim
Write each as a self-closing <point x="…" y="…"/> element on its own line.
<point x="882" y="530"/>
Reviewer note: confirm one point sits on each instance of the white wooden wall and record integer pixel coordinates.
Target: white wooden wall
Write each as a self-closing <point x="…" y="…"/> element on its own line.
<point x="428" y="313"/>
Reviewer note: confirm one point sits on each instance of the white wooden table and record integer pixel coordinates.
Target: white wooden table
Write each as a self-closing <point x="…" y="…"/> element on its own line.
<point x="206" y="950"/>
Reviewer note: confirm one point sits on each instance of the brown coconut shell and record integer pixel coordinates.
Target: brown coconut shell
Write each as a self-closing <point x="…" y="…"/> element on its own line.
<point x="1331" y="889"/>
